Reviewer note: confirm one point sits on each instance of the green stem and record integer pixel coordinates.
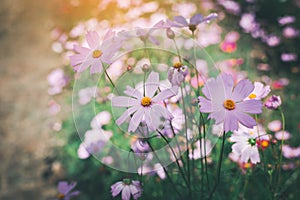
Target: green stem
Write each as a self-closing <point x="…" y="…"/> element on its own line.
<point x="219" y="167"/>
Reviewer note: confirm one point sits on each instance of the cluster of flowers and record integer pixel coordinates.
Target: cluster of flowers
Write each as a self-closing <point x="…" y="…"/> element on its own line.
<point x="229" y="104"/>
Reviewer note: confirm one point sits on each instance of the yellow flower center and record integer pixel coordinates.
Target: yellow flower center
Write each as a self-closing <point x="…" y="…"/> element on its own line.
<point x="264" y="144"/>
<point x="146" y="101"/>
<point x="177" y="65"/>
<point x="60" y="196"/>
<point x="247" y="165"/>
<point x="252" y="96"/>
<point x="97" y="53"/>
<point x="229" y="104"/>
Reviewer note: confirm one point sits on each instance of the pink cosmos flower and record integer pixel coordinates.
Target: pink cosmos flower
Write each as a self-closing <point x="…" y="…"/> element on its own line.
<point x="96" y="54"/>
<point x="128" y="188"/>
<point x="260" y="91"/>
<point x="144" y="107"/>
<point x="273" y="102"/>
<point x="282" y="135"/>
<point x="177" y="74"/>
<point x="275" y="125"/>
<point x="57" y="80"/>
<point x="225" y="102"/>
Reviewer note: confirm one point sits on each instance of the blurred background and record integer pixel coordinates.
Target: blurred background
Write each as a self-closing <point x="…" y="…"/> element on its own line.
<point x="36" y="38"/>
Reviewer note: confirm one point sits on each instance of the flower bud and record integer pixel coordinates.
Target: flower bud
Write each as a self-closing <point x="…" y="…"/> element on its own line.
<point x="146" y="68"/>
<point x="170" y="34"/>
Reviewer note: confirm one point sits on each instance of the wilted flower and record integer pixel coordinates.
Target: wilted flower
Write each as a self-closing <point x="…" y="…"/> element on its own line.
<point x="65" y="189"/>
<point x="273" y="102"/>
<point x="128" y="188"/>
<point x="144" y="107"/>
<point x="225" y="103"/>
<point x="194" y="21"/>
<point x="96" y="54"/>
<point x="177" y="74"/>
<point x="260" y="91"/>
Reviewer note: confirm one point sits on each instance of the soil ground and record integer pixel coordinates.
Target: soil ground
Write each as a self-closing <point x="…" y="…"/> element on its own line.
<point x="26" y="59"/>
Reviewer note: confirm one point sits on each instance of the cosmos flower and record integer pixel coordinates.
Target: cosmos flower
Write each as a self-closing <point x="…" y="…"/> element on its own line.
<point x="65" y="189"/>
<point x="275" y="125"/>
<point x="282" y="135"/>
<point x="144" y="107"/>
<point x="286" y="20"/>
<point x="246" y="143"/>
<point x="260" y="91"/>
<point x="225" y="102"/>
<point x="96" y="54"/>
<point x="177" y="74"/>
<point x="128" y="188"/>
<point x="57" y="80"/>
<point x="273" y="102"/>
<point x="194" y="21"/>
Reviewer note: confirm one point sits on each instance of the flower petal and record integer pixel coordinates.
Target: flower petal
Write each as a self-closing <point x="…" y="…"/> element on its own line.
<point x="196" y="19"/>
<point x="181" y="20"/>
<point x="254" y="155"/>
<point x="218" y="115"/>
<point x="165" y="94"/>
<point x="245" y="119"/>
<point x="122" y="101"/>
<point x="151" y="84"/>
<point x="116" y="188"/>
<point x="126" y="114"/>
<point x="126" y="193"/>
<point x="230" y="122"/>
<point x="93" y="39"/>
<point x="251" y="106"/>
<point x="133" y="92"/>
<point x="96" y="67"/>
<point x="136" y="119"/>
<point x="242" y="90"/>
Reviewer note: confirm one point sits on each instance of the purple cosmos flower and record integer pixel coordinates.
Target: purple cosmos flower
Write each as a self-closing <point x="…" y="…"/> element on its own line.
<point x="128" y="188"/>
<point x="177" y="73"/>
<point x="282" y="135"/>
<point x="286" y="20"/>
<point x="65" y="189"/>
<point x="288" y="57"/>
<point x="273" y="102"/>
<point x="225" y="103"/>
<point x="194" y="21"/>
<point x="144" y="108"/>
<point x="96" y="54"/>
<point x="260" y="91"/>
